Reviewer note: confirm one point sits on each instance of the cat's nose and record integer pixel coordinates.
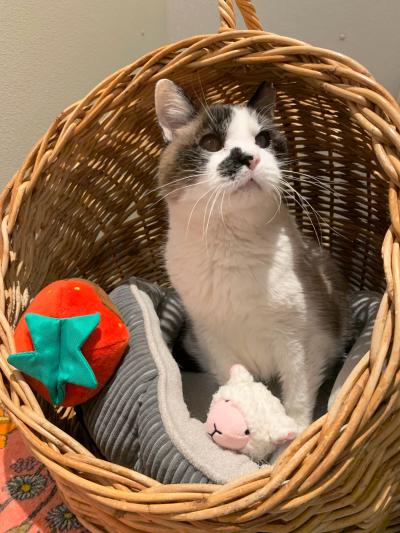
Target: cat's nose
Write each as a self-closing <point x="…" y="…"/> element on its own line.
<point x="242" y="158"/>
<point x="254" y="162"/>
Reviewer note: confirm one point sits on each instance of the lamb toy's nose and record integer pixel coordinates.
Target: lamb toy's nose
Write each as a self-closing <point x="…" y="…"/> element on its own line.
<point x="227" y="426"/>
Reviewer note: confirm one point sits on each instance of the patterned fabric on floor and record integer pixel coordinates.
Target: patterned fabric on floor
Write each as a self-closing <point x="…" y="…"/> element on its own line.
<point x="29" y="501"/>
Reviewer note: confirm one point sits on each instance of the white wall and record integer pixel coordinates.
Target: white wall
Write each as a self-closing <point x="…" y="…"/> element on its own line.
<point x="53" y="52"/>
<point x="367" y="30"/>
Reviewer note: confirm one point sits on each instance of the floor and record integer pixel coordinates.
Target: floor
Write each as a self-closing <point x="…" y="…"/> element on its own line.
<point x="29" y="501"/>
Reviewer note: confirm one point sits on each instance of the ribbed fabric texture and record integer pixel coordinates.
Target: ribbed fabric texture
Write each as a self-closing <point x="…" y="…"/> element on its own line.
<point x="124" y="419"/>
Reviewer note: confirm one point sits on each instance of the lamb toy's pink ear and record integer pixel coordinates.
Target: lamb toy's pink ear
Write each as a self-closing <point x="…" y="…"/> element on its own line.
<point x="239" y="374"/>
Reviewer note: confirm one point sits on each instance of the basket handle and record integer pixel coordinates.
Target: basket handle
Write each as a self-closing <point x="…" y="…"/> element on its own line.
<point x="228" y="19"/>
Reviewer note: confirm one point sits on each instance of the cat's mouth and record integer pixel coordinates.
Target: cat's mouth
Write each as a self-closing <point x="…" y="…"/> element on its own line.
<point x="247" y="184"/>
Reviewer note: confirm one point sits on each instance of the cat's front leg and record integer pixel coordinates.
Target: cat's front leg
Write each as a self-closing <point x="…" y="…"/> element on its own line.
<point x="298" y="390"/>
<point x="215" y="355"/>
<point x="220" y="362"/>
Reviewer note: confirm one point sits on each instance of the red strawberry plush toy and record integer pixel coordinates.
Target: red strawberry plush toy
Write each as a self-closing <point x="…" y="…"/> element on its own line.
<point x="69" y="341"/>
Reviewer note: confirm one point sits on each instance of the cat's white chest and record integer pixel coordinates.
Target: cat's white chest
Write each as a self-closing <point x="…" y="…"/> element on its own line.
<point x="242" y="297"/>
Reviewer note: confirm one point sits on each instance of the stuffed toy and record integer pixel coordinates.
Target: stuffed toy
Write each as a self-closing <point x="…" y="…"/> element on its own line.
<point x="69" y="341"/>
<point x="245" y="416"/>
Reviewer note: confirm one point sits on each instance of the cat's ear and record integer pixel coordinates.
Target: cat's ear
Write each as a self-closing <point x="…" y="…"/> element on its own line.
<point x="173" y="107"/>
<point x="263" y="100"/>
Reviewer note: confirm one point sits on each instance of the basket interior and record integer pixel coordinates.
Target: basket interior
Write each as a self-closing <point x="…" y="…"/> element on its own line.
<point x="94" y="212"/>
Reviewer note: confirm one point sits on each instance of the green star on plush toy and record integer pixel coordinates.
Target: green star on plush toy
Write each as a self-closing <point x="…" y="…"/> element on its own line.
<point x="57" y="358"/>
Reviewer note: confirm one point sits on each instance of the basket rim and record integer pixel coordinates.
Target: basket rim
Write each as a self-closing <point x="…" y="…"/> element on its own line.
<point x="333" y="65"/>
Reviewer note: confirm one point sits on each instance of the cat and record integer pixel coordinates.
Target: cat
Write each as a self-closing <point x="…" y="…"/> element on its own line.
<point x="256" y="291"/>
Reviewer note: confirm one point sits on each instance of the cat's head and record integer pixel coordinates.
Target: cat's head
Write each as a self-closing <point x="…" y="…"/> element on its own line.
<point x="234" y="149"/>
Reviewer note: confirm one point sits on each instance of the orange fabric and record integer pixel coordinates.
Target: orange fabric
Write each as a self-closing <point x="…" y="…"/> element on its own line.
<point x="103" y="349"/>
<point x="6" y="426"/>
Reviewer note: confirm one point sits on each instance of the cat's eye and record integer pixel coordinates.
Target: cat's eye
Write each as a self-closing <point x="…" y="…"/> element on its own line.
<point x="211" y="142"/>
<point x="263" y="139"/>
<point x="247" y="432"/>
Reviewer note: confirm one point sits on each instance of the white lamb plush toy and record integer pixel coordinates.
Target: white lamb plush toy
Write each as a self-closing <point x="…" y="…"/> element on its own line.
<point x="245" y="416"/>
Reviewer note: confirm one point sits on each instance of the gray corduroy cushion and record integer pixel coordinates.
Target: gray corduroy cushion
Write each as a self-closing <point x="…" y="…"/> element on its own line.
<point x="140" y="419"/>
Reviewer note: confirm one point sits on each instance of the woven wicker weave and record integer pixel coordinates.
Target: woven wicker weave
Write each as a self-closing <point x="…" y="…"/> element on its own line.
<point x="83" y="204"/>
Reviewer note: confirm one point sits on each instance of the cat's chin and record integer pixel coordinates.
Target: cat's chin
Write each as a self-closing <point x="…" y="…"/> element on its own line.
<point x="253" y="199"/>
<point x="248" y="185"/>
<point x="249" y="193"/>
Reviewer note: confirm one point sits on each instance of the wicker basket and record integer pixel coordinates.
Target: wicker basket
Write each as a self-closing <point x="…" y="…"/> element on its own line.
<point x="83" y="204"/>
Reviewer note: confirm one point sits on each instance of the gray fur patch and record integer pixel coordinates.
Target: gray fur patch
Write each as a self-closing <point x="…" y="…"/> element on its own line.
<point x="184" y="160"/>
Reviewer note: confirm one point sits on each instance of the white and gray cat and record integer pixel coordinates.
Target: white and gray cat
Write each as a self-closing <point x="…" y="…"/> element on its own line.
<point x="256" y="291"/>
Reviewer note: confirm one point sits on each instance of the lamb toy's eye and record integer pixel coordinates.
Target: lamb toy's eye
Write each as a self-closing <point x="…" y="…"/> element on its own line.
<point x="227" y="400"/>
<point x="247" y="432"/>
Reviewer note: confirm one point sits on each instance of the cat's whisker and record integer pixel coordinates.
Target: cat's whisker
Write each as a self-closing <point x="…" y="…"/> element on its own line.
<point x="203" y="103"/>
<point x="286" y="161"/>
<point x="323" y="189"/>
<point x="209" y="201"/>
<point x="205" y="212"/>
<point x="193" y="210"/>
<point x="316" y="184"/>
<point x="304" y="208"/>
<point x="178" y="189"/>
<point x="230" y="199"/>
<point x="207" y="112"/>
<point x="206" y="107"/>
<point x="276" y="191"/>
<point x="221" y="205"/>
<point x="321" y="218"/>
<point x="316" y="214"/>
<point x="205" y="229"/>
<point x="217" y="191"/>
<point x="166" y="185"/>
<point x="187" y="186"/>
<point x="299" y="176"/>
<point x="304" y="204"/>
<point x="265" y="110"/>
